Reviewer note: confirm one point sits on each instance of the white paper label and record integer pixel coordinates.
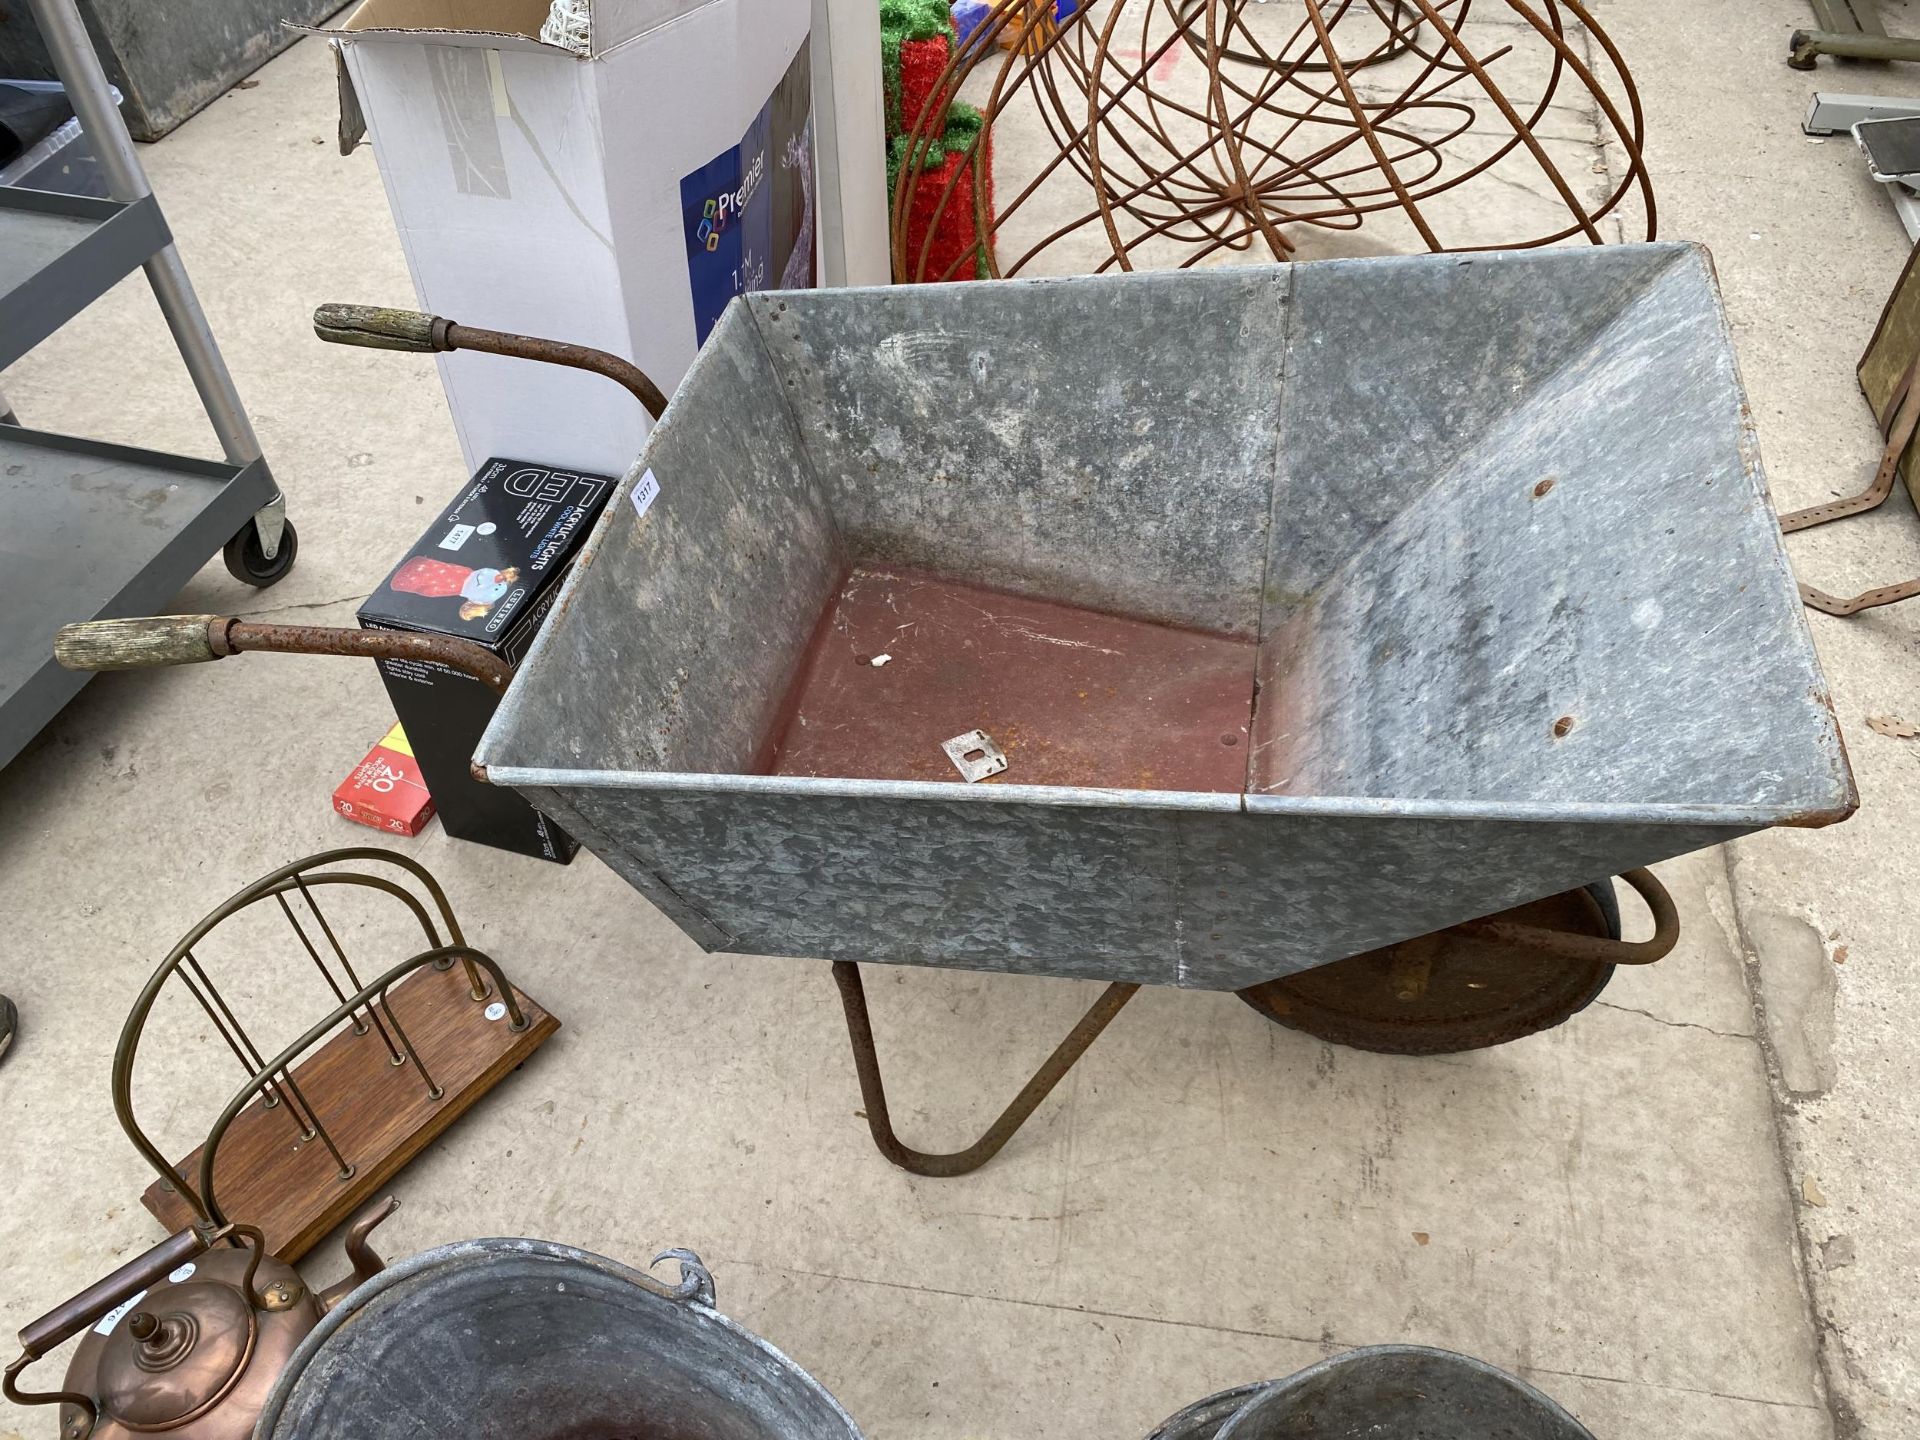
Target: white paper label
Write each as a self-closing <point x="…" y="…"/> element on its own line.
<point x="645" y="493"/>
<point x="496" y="1011"/>
<point x="456" y="537"/>
<point x="115" y="1315"/>
<point x="185" y="1272"/>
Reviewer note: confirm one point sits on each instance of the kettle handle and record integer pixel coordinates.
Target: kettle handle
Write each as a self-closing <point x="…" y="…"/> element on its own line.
<point x="99" y="1299"/>
<point x="70" y="1317"/>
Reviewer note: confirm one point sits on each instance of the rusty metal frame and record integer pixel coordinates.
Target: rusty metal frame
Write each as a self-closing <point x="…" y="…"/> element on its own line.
<point x="1566" y="945"/>
<point x="1241" y="182"/>
<point x="1904" y="419"/>
<point x="1563" y="945"/>
<point x="873" y="1090"/>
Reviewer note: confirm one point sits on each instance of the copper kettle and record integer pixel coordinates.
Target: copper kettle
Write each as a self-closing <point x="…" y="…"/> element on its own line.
<point x="187" y="1340"/>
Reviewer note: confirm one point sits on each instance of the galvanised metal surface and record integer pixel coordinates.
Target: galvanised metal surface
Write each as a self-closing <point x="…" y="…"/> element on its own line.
<point x="1583" y="602"/>
<point x="1106" y="443"/>
<point x="529" y="1340"/>
<point x="1497" y="523"/>
<point x="1202" y="1419"/>
<point x="1385" y="1390"/>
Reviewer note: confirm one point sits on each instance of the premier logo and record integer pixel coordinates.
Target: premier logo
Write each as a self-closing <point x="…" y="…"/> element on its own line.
<point x="728" y="205"/>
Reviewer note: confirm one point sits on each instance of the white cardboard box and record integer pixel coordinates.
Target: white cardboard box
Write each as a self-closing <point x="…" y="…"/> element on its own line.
<point x="616" y="198"/>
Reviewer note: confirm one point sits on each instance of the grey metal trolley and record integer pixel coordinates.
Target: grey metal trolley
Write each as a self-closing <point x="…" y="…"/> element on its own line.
<point x="92" y="528"/>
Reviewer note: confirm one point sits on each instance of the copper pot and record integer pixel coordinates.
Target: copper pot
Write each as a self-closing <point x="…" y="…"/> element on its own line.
<point x="187" y="1340"/>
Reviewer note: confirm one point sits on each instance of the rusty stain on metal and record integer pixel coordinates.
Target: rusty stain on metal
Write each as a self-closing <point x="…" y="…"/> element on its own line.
<point x="1071" y="695"/>
<point x="1412" y="969"/>
<point x="1322" y="119"/>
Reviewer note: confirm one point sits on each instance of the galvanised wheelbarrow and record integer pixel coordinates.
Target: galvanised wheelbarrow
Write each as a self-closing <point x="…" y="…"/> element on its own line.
<point x="1321" y="632"/>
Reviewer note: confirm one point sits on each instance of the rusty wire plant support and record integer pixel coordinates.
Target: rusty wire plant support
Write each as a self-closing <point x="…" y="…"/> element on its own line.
<point x="1184" y="132"/>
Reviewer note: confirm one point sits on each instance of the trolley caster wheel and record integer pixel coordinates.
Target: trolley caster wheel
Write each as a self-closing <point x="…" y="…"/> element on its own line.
<point x="1447" y="992"/>
<point x="248" y="564"/>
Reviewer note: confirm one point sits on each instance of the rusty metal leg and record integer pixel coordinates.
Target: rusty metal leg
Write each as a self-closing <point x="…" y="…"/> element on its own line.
<point x="1900" y="432"/>
<point x="873" y="1090"/>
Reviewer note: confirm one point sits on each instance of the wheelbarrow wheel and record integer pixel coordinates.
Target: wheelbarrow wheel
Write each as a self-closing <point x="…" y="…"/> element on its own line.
<point x="1449" y="991"/>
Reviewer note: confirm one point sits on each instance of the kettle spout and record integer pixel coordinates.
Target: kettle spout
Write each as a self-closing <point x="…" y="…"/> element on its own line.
<point x="360" y="1254"/>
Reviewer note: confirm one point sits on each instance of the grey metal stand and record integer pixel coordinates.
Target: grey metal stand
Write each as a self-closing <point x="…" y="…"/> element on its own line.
<point x="91" y="529"/>
<point x="1867" y="118"/>
<point x="1848" y="28"/>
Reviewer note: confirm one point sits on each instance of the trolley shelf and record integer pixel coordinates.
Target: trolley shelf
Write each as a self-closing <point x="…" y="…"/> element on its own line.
<point x="68" y="549"/>
<point x="60" y="253"/>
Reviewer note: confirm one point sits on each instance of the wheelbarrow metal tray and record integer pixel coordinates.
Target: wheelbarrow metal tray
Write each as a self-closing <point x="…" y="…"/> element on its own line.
<point x="1491" y="533"/>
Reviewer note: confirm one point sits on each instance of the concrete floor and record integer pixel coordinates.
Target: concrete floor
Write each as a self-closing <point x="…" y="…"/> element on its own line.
<point x="1687" y="1213"/>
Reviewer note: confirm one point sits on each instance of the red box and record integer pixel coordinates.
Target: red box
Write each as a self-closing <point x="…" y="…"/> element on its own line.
<point x="386" y="789"/>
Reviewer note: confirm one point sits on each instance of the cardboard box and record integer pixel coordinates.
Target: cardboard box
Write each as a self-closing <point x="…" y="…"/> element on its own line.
<point x="616" y="197"/>
<point x="386" y="790"/>
<point x="488" y="570"/>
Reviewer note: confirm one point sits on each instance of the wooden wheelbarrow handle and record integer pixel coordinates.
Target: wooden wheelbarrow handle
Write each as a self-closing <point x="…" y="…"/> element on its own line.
<point x="379" y="328"/>
<point x="155" y="641"/>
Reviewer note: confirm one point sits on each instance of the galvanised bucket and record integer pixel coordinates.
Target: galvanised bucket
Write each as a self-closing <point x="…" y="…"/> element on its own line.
<point x="1393" y="1391"/>
<point x="528" y="1340"/>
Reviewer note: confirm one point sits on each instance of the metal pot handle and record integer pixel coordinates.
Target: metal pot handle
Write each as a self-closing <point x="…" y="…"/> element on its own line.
<point x="696" y="1281"/>
<point x="132" y="1279"/>
<point x="70" y="1317"/>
